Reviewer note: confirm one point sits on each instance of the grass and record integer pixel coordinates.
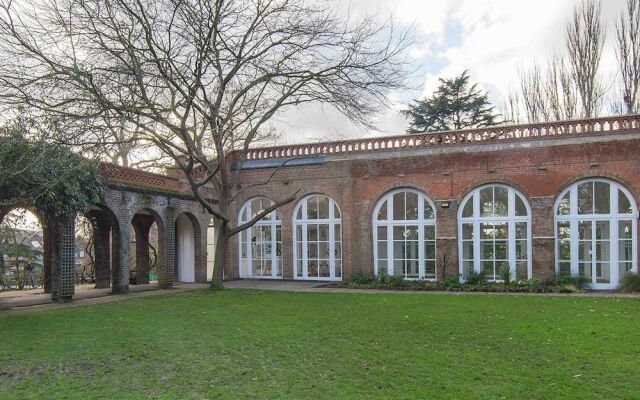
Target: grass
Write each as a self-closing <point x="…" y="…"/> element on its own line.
<point x="251" y="344"/>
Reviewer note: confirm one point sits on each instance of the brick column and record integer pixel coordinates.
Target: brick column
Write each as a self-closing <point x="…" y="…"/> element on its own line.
<point x="200" y="257"/>
<point x="63" y="271"/>
<point x="101" y="248"/>
<point x="288" y="267"/>
<point x="543" y="240"/>
<point x="141" y="226"/>
<point x="120" y="259"/>
<point x="167" y="249"/>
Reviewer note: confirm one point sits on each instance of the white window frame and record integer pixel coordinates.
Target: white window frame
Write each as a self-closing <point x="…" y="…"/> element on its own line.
<point x="303" y="223"/>
<point x="614" y="217"/>
<point x="273" y="223"/>
<point x="390" y="223"/>
<point x="511" y="219"/>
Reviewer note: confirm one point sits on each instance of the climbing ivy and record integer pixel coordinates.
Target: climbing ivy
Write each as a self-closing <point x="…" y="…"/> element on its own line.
<point x="49" y="177"/>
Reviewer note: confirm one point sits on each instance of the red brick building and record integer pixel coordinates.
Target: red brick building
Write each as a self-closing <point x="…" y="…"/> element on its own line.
<point x="535" y="199"/>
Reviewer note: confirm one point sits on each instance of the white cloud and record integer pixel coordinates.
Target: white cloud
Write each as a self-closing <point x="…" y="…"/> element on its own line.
<point x="490" y="38"/>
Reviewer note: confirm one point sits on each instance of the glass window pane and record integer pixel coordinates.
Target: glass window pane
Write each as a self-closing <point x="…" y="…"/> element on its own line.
<point x="521" y="249"/>
<point x="312" y="207"/>
<point x="323" y="207"/>
<point x="430" y="250"/>
<point x="585" y="198"/>
<point x="564" y="230"/>
<point x="624" y="205"/>
<point x="501" y="250"/>
<point x="312" y="232"/>
<point x="382" y="232"/>
<point x="486" y="202"/>
<point x="398" y="233"/>
<point x="467" y="250"/>
<point x="429" y="232"/>
<point x="624" y="230"/>
<point x="564" y="250"/>
<point x="564" y="207"/>
<point x="521" y="209"/>
<point x="338" y="269"/>
<point x="411" y="211"/>
<point x="398" y="206"/>
<point x="602" y="230"/>
<point x="382" y="212"/>
<point x="486" y="231"/>
<point x="501" y="230"/>
<point x="337" y="235"/>
<point x="501" y="201"/>
<point x="468" y="208"/>
<point x="602" y="198"/>
<point x="487" y="250"/>
<point x="312" y="250"/>
<point x="336" y="211"/>
<point x="382" y="249"/>
<point x="430" y="269"/>
<point x="428" y="210"/>
<point x="411" y="232"/>
<point x="584" y="230"/>
<point x="521" y="230"/>
<point x="564" y="268"/>
<point x="323" y="232"/>
<point x="467" y="231"/>
<point x="323" y="251"/>
<point x="522" y="270"/>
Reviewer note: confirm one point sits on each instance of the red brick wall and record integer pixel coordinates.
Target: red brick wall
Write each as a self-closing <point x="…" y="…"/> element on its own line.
<point x="540" y="170"/>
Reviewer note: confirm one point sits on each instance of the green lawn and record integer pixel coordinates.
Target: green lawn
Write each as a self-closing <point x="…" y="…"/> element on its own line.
<point x="249" y="344"/>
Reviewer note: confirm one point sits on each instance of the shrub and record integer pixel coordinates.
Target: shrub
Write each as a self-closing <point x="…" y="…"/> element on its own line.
<point x="383" y="277"/>
<point x="396" y="282"/>
<point x="475" y="278"/>
<point x="450" y="281"/>
<point x="630" y="282"/>
<point x="506" y="275"/>
<point x="571" y="280"/>
<point x="363" y="279"/>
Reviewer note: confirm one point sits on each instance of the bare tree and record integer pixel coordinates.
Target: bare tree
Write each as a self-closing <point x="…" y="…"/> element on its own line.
<point x="560" y="90"/>
<point x="585" y="34"/>
<point x="197" y="78"/>
<point x="628" y="53"/>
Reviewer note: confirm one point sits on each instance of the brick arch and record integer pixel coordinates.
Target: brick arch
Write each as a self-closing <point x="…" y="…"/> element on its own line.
<point x="107" y="245"/>
<point x="395" y="185"/>
<point x="199" y="258"/>
<point x="298" y="203"/>
<point x="141" y="227"/>
<point x="596" y="174"/>
<point x="493" y="180"/>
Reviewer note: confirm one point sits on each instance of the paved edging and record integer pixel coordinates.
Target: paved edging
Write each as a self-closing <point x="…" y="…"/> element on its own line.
<point x="111" y="298"/>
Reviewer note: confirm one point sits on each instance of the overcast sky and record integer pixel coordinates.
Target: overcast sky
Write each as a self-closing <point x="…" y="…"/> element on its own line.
<point x="490" y="38"/>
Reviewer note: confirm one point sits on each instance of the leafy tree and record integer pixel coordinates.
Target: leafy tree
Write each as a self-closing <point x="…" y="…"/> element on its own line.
<point x="46" y="176"/>
<point x="456" y="104"/>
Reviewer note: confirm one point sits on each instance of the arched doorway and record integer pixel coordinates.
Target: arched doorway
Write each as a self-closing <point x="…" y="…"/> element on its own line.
<point x="596" y="232"/>
<point x="146" y="247"/>
<point x="187" y="245"/>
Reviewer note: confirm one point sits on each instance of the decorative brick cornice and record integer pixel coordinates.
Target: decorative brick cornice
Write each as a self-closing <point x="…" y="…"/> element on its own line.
<point x="490" y="135"/>
<point x="130" y="177"/>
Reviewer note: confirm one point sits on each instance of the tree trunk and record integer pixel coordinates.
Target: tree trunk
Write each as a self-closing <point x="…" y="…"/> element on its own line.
<point x="220" y="257"/>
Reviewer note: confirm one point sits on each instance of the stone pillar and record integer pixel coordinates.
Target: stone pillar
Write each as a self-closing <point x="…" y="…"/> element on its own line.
<point x="101" y="248"/>
<point x="141" y="226"/>
<point x="120" y="258"/>
<point x="63" y="270"/>
<point x="167" y="249"/>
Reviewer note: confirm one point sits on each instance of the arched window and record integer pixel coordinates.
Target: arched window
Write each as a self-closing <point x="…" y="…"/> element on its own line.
<point x="260" y="245"/>
<point x="404" y="235"/>
<point x="494" y="225"/>
<point x="317" y="235"/>
<point x="596" y="232"/>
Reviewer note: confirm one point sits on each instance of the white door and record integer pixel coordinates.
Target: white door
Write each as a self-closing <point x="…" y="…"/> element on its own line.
<point x="185" y="249"/>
